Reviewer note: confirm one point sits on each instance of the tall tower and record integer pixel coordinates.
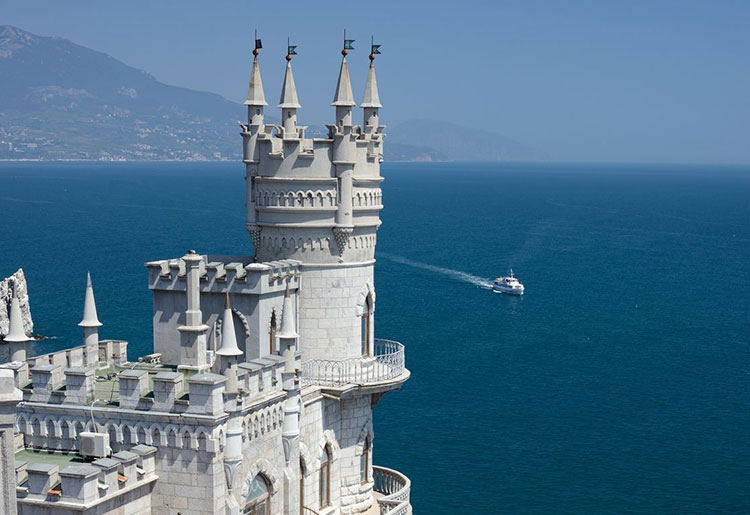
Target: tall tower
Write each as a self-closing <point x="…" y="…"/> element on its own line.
<point x="318" y="200"/>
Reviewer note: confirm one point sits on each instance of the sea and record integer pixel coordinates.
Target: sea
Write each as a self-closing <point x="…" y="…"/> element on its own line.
<point x="619" y="383"/>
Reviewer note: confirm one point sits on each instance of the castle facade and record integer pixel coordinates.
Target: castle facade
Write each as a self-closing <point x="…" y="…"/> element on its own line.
<point x="259" y="395"/>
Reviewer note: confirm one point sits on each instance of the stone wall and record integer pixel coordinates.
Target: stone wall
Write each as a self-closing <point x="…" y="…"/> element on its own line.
<point x="331" y="306"/>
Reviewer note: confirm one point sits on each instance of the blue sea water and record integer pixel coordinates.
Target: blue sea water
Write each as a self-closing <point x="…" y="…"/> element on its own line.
<point x="617" y="384"/>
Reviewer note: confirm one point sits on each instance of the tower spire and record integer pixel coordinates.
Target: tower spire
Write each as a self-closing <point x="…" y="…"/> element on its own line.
<point x="90" y="322"/>
<point x="228" y="336"/>
<point x="371" y="101"/>
<point x="289" y="102"/>
<point x="343" y="98"/>
<point x="16" y="337"/>
<point x="255" y="95"/>
<point x="288" y="329"/>
<point x="90" y="318"/>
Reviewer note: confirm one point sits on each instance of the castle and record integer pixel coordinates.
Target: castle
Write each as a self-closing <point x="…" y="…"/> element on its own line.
<point x="259" y="395"/>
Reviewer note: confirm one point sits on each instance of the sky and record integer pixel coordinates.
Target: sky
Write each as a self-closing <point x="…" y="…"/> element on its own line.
<point x="580" y="80"/>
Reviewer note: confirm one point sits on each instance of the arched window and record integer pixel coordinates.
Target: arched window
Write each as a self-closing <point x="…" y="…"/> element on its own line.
<point x="272" y="334"/>
<point x="258" y="500"/>
<point x="325" y="477"/>
<point x="366" y="327"/>
<point x="364" y="462"/>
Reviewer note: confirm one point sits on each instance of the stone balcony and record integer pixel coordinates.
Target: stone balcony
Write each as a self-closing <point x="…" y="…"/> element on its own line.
<point x="387" y="365"/>
<point x="392" y="490"/>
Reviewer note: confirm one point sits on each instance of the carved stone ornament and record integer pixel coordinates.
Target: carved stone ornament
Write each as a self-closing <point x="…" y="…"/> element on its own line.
<point x="341" y="235"/>
<point x="254" y="231"/>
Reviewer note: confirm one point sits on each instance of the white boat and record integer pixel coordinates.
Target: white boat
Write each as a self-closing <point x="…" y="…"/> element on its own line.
<point x="508" y="285"/>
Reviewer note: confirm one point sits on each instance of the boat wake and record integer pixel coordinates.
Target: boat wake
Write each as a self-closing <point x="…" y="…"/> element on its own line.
<point x="455" y="274"/>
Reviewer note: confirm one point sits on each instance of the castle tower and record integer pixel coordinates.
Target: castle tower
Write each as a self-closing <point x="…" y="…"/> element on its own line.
<point x="318" y="201"/>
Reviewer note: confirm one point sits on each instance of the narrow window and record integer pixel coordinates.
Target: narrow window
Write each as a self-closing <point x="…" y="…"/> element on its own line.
<point x="301" y="487"/>
<point x="258" y="500"/>
<point x="364" y="462"/>
<point x="366" y="327"/>
<point x="272" y="334"/>
<point x="325" y="478"/>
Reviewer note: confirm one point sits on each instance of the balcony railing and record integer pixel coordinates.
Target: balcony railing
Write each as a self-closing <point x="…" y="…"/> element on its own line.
<point x="394" y="488"/>
<point x="387" y="362"/>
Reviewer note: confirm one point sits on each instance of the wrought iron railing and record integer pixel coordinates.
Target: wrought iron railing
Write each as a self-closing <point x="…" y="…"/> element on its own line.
<point x="387" y="362"/>
<point x="309" y="511"/>
<point x="394" y="488"/>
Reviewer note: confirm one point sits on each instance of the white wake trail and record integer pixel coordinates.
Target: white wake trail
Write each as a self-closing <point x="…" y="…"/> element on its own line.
<point x="455" y="274"/>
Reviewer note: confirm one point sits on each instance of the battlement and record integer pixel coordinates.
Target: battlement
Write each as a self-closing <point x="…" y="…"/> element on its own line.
<point x="219" y="274"/>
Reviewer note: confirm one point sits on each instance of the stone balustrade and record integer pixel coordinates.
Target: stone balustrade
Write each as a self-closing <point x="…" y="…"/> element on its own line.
<point x="394" y="488"/>
<point x="386" y="363"/>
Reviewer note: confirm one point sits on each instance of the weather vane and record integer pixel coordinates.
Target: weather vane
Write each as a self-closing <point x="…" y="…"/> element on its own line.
<point x="258" y="45"/>
<point x="347" y="45"/>
<point x="374" y="49"/>
<point x="290" y="50"/>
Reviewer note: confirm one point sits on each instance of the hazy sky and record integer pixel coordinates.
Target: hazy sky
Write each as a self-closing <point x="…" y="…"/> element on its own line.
<point x="581" y="80"/>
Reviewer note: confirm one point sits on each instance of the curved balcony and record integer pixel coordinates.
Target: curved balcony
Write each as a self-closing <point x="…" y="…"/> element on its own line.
<point x="392" y="490"/>
<point x="386" y="363"/>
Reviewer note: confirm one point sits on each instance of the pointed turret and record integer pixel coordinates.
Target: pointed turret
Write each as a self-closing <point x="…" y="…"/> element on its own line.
<point x="16" y="337"/>
<point x="371" y="101"/>
<point x="89" y="306"/>
<point x="255" y="95"/>
<point x="90" y="322"/>
<point x="256" y="99"/>
<point x="288" y="329"/>
<point x="289" y="102"/>
<point x="343" y="99"/>
<point x="228" y="336"/>
<point x="16" y="334"/>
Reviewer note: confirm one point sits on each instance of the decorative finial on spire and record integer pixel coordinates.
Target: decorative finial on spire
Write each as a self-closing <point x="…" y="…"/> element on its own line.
<point x="227" y="305"/>
<point x="374" y="49"/>
<point x="290" y="50"/>
<point x="258" y="45"/>
<point x="348" y="45"/>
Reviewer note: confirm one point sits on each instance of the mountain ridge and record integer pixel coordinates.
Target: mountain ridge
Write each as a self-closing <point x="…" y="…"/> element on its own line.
<point x="64" y="101"/>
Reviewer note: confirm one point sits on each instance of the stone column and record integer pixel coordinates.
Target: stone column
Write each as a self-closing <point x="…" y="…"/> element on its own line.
<point x="193" y="333"/>
<point x="10" y="396"/>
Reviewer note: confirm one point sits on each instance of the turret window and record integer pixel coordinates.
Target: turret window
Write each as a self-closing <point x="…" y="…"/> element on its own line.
<point x="325" y="477"/>
<point x="258" y="500"/>
<point x="272" y="334"/>
<point x="367" y="309"/>
<point x="364" y="462"/>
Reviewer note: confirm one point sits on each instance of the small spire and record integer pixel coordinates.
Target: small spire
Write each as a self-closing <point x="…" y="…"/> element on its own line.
<point x="89" y="306"/>
<point x="371" y="98"/>
<point x="255" y="95"/>
<point x="288" y="329"/>
<point x="289" y="90"/>
<point x="228" y="337"/>
<point x="343" y="96"/>
<point x="16" y="334"/>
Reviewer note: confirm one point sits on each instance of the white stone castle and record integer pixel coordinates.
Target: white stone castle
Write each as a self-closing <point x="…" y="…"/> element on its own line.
<point x="259" y="395"/>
